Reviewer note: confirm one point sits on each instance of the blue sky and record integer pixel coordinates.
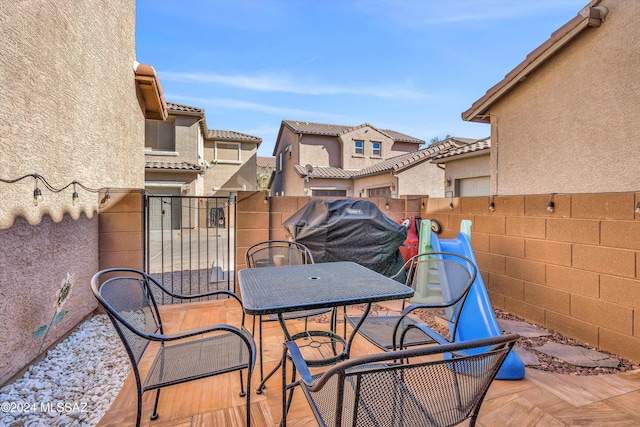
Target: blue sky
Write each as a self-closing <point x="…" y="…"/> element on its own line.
<point x="408" y="65"/>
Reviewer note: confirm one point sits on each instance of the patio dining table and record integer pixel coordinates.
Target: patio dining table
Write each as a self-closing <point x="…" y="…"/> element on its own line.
<point x="278" y="290"/>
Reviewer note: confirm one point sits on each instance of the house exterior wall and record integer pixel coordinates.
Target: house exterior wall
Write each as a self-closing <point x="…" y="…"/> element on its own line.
<point x="425" y="178"/>
<point x="368" y="135"/>
<point x="223" y="176"/>
<point x="285" y="177"/>
<point x="69" y="112"/>
<point x="318" y="150"/>
<point x="573" y="270"/>
<point x="187" y="149"/>
<point x="468" y="167"/>
<point x="573" y="125"/>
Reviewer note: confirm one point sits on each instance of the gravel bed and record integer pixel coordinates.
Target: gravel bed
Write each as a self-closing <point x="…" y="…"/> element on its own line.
<point x="552" y="364"/>
<point x="73" y="385"/>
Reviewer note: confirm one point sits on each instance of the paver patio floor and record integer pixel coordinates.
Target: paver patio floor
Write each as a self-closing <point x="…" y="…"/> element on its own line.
<point x="540" y="399"/>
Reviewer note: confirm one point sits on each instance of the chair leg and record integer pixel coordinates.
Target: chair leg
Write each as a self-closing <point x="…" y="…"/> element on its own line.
<point x="242" y="392"/>
<point x="155" y="415"/>
<point x="139" y="414"/>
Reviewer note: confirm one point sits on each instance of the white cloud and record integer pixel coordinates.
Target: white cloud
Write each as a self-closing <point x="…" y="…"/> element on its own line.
<point x="271" y="82"/>
<point x="236" y="104"/>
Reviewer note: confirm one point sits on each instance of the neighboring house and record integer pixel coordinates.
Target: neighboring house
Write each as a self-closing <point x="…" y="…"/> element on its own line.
<point x="315" y="159"/>
<point x="567" y="119"/>
<point x="266" y="166"/>
<point x="232" y="156"/>
<point x="467" y="167"/>
<point x="174" y="152"/>
<point x="184" y="158"/>
<point x="73" y="101"/>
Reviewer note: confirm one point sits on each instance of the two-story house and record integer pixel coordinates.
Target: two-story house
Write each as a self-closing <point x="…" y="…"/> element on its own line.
<point x="315" y="159"/>
<point x="185" y="158"/>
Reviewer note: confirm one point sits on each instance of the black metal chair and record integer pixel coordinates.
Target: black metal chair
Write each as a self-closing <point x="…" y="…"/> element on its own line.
<point x="402" y="388"/>
<point x="442" y="282"/>
<point x="127" y="295"/>
<point x="270" y="253"/>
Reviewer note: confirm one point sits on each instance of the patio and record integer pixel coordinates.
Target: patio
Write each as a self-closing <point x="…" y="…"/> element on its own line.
<point x="541" y="399"/>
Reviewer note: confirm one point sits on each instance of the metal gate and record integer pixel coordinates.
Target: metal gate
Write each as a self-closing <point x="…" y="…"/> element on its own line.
<point x="190" y="243"/>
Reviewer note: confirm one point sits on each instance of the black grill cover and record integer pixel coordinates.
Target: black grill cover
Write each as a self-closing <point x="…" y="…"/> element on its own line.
<point x="349" y="230"/>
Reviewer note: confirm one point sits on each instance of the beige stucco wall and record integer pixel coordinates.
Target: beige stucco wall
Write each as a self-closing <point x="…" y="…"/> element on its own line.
<point x="224" y="176"/>
<point x="188" y="137"/>
<point x="69" y="112"/>
<point x="368" y="135"/>
<point x="573" y="126"/>
<point x="424" y="178"/>
<point x="67" y="96"/>
<point x="317" y="150"/>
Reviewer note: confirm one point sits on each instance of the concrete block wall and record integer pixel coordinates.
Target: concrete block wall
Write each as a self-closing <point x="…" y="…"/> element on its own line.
<point x="122" y="230"/>
<point x="574" y="270"/>
<point x="259" y="217"/>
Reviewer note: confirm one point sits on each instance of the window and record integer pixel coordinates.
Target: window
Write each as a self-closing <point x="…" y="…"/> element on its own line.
<point x="359" y="147"/>
<point x="228" y="152"/>
<point x="160" y="135"/>
<point x="377" y="149"/>
<point x="380" y="192"/>
<point x="279" y="165"/>
<point x="329" y="193"/>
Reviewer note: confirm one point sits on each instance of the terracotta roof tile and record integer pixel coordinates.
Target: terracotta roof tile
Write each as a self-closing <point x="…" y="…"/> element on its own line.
<point x="266" y="162"/>
<point x="310" y="128"/>
<point x="474" y="147"/>
<point x="178" y="166"/>
<point x="325" y="172"/>
<point x="184" y="109"/>
<point x="230" y="135"/>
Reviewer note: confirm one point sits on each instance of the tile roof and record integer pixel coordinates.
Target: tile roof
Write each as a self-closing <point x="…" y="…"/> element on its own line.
<point x="266" y="162"/>
<point x="309" y="128"/>
<point x="177" y="166"/>
<point x="448" y="148"/>
<point x="473" y="147"/>
<point x="179" y="108"/>
<point x="230" y="135"/>
<point x="325" y="172"/>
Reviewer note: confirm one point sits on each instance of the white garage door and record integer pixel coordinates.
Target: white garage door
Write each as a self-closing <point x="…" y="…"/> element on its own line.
<point x="479" y="186"/>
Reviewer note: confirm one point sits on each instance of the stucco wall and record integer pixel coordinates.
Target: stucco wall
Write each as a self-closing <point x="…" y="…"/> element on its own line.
<point x="319" y="150"/>
<point x="69" y="112"/>
<point x="574" y="124"/>
<point x="425" y="178"/>
<point x="230" y="175"/>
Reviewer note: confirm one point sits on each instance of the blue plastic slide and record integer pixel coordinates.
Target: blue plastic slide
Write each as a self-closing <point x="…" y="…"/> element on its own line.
<point x="477" y="319"/>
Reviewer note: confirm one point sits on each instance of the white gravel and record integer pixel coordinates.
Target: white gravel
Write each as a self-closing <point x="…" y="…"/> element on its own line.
<point x="73" y="385"/>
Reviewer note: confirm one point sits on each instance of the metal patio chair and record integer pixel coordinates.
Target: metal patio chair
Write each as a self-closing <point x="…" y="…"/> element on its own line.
<point x="270" y="253"/>
<point x="440" y="385"/>
<point x="127" y="295"/>
<point x="441" y="281"/>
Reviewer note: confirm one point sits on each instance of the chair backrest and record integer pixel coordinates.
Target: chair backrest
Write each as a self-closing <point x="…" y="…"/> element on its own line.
<point x="126" y="296"/>
<point x="374" y="391"/>
<point x="443" y="281"/>
<point x="277" y="252"/>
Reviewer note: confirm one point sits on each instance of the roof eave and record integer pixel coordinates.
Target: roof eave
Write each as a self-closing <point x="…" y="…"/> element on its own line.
<point x="151" y="90"/>
<point x="479" y="111"/>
